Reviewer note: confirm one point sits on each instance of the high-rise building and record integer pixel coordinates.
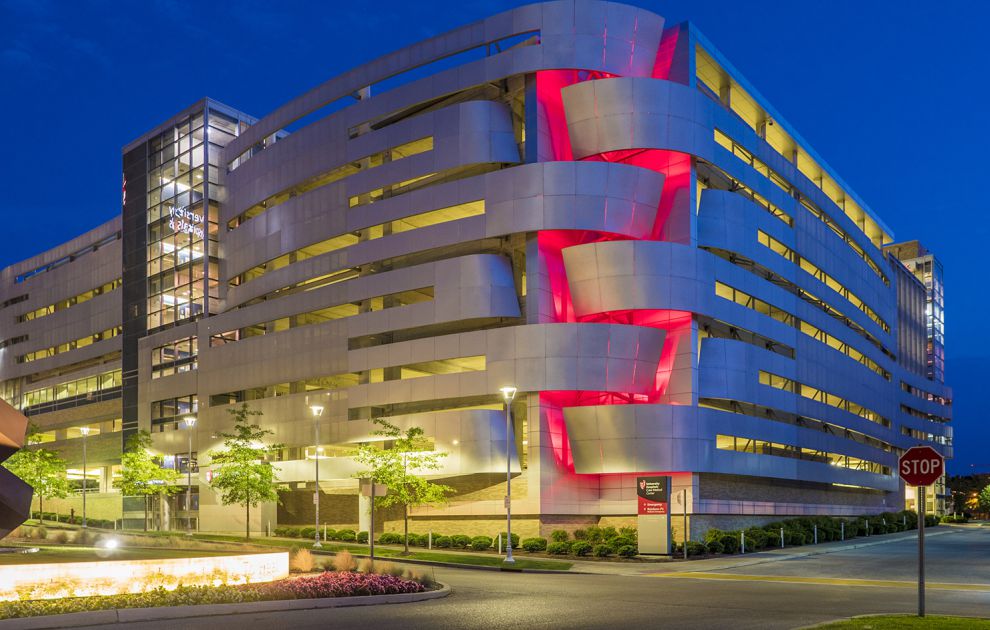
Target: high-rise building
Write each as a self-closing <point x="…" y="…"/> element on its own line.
<point x="572" y="198"/>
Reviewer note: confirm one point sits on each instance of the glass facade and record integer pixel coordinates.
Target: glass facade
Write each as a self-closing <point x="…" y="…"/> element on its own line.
<point x="183" y="180"/>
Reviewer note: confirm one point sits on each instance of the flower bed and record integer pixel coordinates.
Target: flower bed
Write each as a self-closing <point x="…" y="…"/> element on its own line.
<point x="328" y="584"/>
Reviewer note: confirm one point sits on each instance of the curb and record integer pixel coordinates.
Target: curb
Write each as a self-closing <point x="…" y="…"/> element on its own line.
<point x="133" y="615"/>
<point x="841" y="619"/>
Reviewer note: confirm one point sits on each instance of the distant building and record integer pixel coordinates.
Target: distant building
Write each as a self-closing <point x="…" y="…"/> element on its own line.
<point x="573" y="198"/>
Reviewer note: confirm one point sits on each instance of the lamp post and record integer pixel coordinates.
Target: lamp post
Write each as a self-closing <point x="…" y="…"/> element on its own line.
<point x="317" y="412"/>
<point x="508" y="393"/>
<point x="190" y="422"/>
<point x="85" y="432"/>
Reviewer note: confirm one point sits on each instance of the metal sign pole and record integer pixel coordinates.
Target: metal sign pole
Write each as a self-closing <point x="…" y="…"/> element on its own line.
<point x="371" y="532"/>
<point x="921" y="551"/>
<point x="685" y="524"/>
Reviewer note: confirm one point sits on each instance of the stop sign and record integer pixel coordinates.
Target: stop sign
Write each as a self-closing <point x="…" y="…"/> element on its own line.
<point x="921" y="466"/>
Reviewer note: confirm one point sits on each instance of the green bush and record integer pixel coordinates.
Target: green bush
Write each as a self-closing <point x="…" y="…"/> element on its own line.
<point x="441" y="542"/>
<point x="622" y="541"/>
<point x="346" y="535"/>
<point x="559" y="548"/>
<point x="756" y="539"/>
<point x="307" y="532"/>
<point x="41" y="532"/>
<point x="460" y="541"/>
<point x="581" y="548"/>
<point x="695" y="548"/>
<point x="601" y="550"/>
<point x="714" y="534"/>
<point x="580" y="534"/>
<point x="515" y="540"/>
<point x="362" y="537"/>
<point x="534" y="544"/>
<point x="931" y="520"/>
<point x="627" y="551"/>
<point x="608" y="533"/>
<point x="629" y="532"/>
<point x="481" y="543"/>
<point x="729" y="542"/>
<point x="416" y="540"/>
<point x="714" y="546"/>
<point x="287" y="532"/>
<point x="390" y="538"/>
<point x="794" y="537"/>
<point x="559" y="535"/>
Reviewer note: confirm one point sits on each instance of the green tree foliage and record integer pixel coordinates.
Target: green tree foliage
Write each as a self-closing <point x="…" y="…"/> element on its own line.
<point x="983" y="499"/>
<point x="398" y="467"/>
<point x="241" y="473"/>
<point x="41" y="469"/>
<point x="142" y="473"/>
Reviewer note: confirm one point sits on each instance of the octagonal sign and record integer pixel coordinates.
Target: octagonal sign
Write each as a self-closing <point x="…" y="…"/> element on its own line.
<point x="921" y="466"/>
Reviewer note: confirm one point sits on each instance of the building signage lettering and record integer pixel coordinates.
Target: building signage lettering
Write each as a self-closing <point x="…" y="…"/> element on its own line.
<point x="187" y="221"/>
<point x="652" y="495"/>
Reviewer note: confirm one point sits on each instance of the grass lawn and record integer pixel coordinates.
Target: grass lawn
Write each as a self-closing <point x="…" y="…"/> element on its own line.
<point x="483" y="560"/>
<point x="899" y="622"/>
<point x="89" y="554"/>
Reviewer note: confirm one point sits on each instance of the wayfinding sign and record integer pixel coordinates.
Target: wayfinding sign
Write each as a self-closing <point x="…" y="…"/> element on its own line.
<point x="921" y="466"/>
<point x="653" y="509"/>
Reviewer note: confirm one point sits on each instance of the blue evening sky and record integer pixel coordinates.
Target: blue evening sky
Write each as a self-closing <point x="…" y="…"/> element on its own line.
<point x="892" y="95"/>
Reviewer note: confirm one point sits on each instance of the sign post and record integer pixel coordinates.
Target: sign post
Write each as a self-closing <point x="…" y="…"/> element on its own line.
<point x="921" y="466"/>
<point x="653" y="509"/>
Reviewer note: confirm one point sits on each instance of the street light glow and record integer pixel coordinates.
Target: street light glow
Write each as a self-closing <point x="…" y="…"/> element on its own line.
<point x="190" y="421"/>
<point x="317" y="410"/>
<point x="508" y="393"/>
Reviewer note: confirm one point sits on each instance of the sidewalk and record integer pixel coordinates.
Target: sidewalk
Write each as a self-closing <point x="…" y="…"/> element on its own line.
<point x="721" y="563"/>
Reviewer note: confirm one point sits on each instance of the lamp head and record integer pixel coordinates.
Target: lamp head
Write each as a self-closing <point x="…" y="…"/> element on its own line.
<point x="84" y="430"/>
<point x="508" y="393"/>
<point x="317" y="410"/>
<point x="190" y="421"/>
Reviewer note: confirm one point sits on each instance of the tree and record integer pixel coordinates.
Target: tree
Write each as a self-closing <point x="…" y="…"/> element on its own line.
<point x="41" y="469"/>
<point x="983" y="499"/>
<point x="142" y="473"/>
<point x="396" y="467"/>
<point x="242" y="475"/>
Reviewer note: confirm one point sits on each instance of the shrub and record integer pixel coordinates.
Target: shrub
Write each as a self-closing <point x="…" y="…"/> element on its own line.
<point x="460" y="541"/>
<point x="62" y="537"/>
<point x="301" y="561"/>
<point x="515" y="540"/>
<point x="83" y="537"/>
<point x="627" y="551"/>
<point x="534" y="544"/>
<point x="714" y="534"/>
<point x="366" y="565"/>
<point x="41" y="532"/>
<point x="344" y="561"/>
<point x="695" y="548"/>
<point x="794" y="537"/>
<point x="416" y="540"/>
<point x="729" y="542"/>
<point x="601" y="550"/>
<point x="580" y="534"/>
<point x="559" y="548"/>
<point x="581" y="548"/>
<point x="390" y="538"/>
<point x="307" y="532"/>
<point x="362" y="537"/>
<point x="629" y="532"/>
<point x="595" y="534"/>
<point x="346" y="535"/>
<point x="481" y="543"/>
<point x="559" y="535"/>
<point x="756" y="537"/>
<point x="330" y="534"/>
<point x="441" y="542"/>
<point x="622" y="541"/>
<point x="714" y="546"/>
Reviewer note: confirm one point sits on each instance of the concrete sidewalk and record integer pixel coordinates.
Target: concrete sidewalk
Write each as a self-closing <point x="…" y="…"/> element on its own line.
<point x="721" y="563"/>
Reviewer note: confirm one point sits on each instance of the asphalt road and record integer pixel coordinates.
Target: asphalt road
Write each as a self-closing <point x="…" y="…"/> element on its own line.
<point x="492" y="600"/>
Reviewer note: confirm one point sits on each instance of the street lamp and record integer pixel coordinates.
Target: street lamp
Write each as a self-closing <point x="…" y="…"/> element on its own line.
<point x="508" y="393"/>
<point x="190" y="422"/>
<point x="85" y="432"/>
<point x="317" y="412"/>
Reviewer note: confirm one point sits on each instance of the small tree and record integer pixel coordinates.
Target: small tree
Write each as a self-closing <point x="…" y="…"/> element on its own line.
<point x="142" y="473"/>
<point x="242" y="475"/>
<point x="41" y="469"/>
<point x="983" y="499"/>
<point x="396" y="468"/>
